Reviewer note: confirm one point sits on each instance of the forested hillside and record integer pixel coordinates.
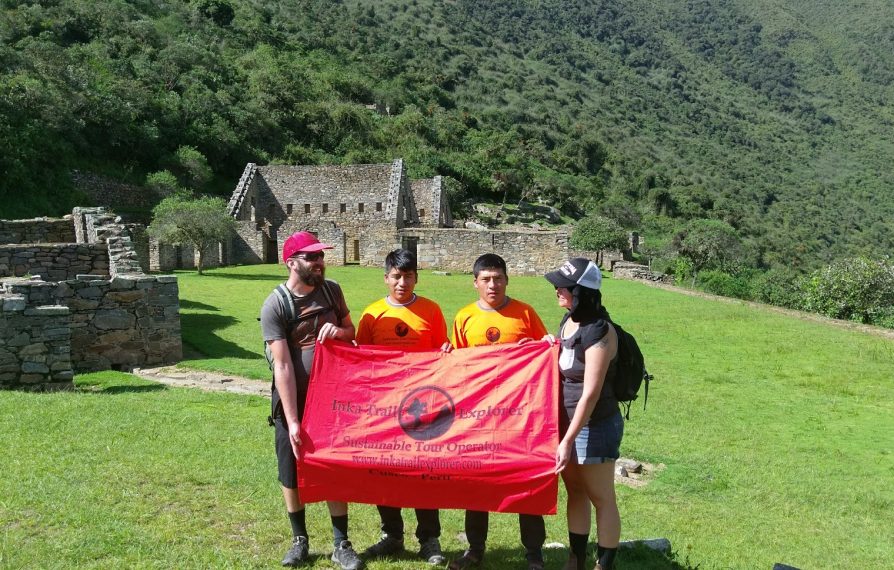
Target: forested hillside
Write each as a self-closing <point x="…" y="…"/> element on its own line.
<point x="773" y="116"/>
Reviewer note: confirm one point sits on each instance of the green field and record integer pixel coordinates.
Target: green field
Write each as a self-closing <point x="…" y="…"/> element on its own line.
<point x="776" y="434"/>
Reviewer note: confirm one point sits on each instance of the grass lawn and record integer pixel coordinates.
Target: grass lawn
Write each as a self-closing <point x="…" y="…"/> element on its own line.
<point x="776" y="433"/>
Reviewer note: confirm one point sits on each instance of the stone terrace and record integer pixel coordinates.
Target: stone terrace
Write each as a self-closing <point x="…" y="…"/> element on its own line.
<point x="82" y="306"/>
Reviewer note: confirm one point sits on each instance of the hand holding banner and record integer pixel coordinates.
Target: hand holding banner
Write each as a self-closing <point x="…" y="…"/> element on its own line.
<point x="475" y="429"/>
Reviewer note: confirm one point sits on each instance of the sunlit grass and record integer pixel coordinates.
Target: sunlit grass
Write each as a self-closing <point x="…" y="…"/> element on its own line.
<point x="775" y="434"/>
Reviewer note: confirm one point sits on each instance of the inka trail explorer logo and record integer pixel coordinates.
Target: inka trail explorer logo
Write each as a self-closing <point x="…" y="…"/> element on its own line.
<point x="492" y="334"/>
<point x="426" y="413"/>
<point x="401" y="329"/>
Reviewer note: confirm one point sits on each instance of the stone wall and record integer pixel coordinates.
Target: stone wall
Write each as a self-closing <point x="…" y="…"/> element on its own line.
<point x="37" y="230"/>
<point x="95" y="309"/>
<point x="348" y="203"/>
<point x="99" y="226"/>
<point x="120" y="323"/>
<point x="431" y="203"/>
<point x="248" y="245"/>
<point x="140" y="239"/>
<point x="113" y="193"/>
<point x="54" y="262"/>
<point x="34" y="345"/>
<point x="526" y="253"/>
<point x="628" y="270"/>
<point x="605" y="259"/>
<point x="166" y="257"/>
<point x="352" y="197"/>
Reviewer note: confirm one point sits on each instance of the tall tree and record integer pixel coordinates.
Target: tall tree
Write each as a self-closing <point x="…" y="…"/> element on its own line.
<point x="201" y="222"/>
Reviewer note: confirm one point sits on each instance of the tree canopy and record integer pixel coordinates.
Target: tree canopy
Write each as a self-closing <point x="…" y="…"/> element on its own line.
<point x="200" y="222"/>
<point x="653" y="115"/>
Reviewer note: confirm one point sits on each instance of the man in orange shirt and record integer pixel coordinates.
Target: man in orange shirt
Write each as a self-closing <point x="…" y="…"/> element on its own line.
<point x="405" y="321"/>
<point x="495" y="319"/>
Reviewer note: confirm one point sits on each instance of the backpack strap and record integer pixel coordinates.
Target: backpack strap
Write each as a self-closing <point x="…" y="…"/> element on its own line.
<point x="646" y="379"/>
<point x="285" y="302"/>
<point x="330" y="299"/>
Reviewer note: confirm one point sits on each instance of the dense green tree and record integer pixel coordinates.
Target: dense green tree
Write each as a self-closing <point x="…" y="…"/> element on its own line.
<point x="597" y="233"/>
<point x="200" y="222"/>
<point x="709" y="244"/>
<point x="650" y="114"/>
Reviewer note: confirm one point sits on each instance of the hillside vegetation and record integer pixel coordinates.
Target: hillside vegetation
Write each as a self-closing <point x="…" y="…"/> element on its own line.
<point x="771" y="116"/>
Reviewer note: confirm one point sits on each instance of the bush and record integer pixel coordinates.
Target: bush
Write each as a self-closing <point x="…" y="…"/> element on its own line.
<point x="164" y="183"/>
<point x="858" y="289"/>
<point x="596" y="233"/>
<point x="780" y="287"/>
<point x="724" y="284"/>
<point x="682" y="270"/>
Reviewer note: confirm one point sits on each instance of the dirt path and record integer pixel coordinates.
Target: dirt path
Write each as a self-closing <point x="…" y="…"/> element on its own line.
<point x="210" y="381"/>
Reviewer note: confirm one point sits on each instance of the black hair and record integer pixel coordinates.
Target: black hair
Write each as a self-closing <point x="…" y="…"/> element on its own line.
<point x="586" y="305"/>
<point x="489" y="261"/>
<point x="402" y="259"/>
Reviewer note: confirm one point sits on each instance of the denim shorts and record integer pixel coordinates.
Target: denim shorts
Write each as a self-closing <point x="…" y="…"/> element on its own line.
<point x="600" y="442"/>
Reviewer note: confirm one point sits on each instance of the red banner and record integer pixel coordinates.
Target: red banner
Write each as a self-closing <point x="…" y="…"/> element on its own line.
<point x="473" y="429"/>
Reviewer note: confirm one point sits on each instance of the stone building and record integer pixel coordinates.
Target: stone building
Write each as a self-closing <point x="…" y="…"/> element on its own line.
<point x="74" y="297"/>
<point x="365" y="211"/>
<point x="360" y="209"/>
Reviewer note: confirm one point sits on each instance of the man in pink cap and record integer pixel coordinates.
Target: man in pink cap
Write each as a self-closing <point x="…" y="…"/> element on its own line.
<point x="306" y="308"/>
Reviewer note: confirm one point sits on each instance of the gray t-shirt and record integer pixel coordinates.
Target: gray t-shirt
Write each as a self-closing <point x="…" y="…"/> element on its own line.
<point x="312" y="311"/>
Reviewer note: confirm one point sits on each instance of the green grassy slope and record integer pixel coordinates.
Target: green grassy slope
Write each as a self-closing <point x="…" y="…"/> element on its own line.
<point x="759" y="417"/>
<point x="774" y="433"/>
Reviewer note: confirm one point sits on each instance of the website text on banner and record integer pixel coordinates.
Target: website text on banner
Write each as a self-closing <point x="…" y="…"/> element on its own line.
<point x="473" y="429"/>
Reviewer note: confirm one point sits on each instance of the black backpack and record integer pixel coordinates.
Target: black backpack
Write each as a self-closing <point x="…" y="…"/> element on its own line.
<point x="630" y="371"/>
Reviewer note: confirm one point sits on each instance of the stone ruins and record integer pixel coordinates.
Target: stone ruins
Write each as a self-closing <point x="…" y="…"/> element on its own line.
<point x="75" y="294"/>
<point x="74" y="297"/>
<point x="367" y="210"/>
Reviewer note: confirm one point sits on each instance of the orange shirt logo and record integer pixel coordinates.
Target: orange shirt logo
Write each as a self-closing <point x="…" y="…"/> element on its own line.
<point x="493" y="334"/>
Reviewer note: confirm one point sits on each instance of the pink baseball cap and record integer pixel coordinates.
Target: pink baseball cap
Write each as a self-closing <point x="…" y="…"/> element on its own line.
<point x="302" y="242"/>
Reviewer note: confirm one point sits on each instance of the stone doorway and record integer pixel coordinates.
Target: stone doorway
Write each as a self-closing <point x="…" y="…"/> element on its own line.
<point x="271" y="254"/>
<point x="410" y="243"/>
<point x="352" y="250"/>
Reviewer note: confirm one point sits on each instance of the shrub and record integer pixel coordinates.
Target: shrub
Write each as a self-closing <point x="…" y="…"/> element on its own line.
<point x="780" y="287"/>
<point x="724" y="284"/>
<point x="858" y="289"/>
<point x="596" y="233"/>
<point x="163" y="183"/>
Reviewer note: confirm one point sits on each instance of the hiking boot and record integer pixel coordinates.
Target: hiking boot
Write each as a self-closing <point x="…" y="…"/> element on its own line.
<point x="388" y="545"/>
<point x="467" y="560"/>
<point x="344" y="556"/>
<point x="298" y="553"/>
<point x="430" y="551"/>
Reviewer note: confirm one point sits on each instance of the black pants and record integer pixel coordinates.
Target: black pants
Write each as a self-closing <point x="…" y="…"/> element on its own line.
<point x="532" y="527"/>
<point x="428" y="522"/>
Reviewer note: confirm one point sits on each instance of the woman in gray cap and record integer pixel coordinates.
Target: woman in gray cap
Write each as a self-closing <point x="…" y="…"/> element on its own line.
<point x="592" y="419"/>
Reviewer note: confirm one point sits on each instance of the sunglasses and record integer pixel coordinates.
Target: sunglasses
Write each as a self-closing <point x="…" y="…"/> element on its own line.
<point x="311" y="256"/>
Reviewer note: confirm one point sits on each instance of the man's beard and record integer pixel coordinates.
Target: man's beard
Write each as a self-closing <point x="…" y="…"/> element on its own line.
<point x="309" y="277"/>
